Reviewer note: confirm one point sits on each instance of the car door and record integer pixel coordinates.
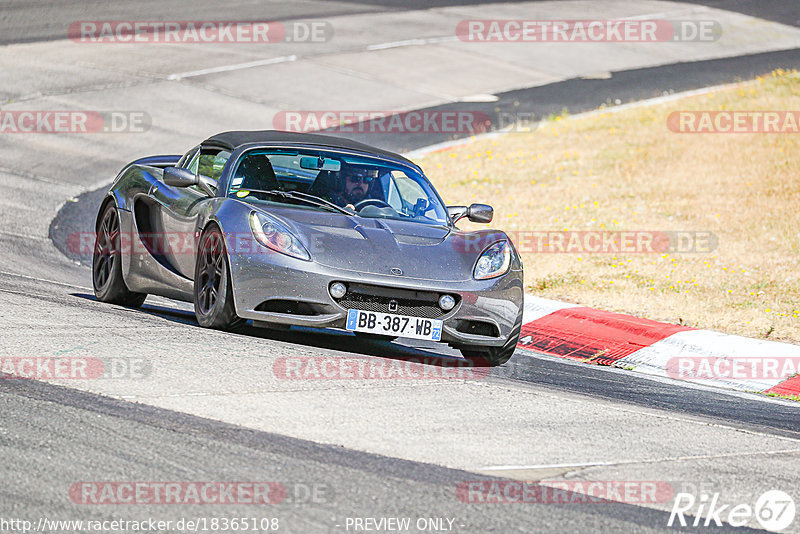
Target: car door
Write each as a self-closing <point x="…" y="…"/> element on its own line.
<point x="177" y="210"/>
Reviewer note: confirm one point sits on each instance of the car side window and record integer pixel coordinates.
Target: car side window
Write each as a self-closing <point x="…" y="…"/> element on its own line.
<point x="411" y="193"/>
<point x="391" y="192"/>
<point x="183" y="163"/>
<point x="207" y="162"/>
<point x="211" y="162"/>
<point x="193" y="162"/>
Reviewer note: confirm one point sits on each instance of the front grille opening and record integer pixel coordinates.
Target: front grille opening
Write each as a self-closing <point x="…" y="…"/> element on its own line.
<point x="477" y="328"/>
<point x="424" y="304"/>
<point x="291" y="307"/>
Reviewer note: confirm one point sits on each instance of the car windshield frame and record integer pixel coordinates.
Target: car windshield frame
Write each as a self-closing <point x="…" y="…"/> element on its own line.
<point x="362" y="158"/>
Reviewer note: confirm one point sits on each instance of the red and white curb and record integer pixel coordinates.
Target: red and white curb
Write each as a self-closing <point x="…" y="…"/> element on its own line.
<point x="667" y="350"/>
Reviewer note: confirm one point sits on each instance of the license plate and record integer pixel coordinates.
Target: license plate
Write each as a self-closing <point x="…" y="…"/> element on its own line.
<point x="390" y="324"/>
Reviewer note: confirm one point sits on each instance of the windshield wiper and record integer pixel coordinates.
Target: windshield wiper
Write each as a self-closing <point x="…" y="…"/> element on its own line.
<point x="304" y="197"/>
<point x="314" y="198"/>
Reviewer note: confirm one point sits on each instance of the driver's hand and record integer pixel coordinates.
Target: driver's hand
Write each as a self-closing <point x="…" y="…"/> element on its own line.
<point x="351" y="207"/>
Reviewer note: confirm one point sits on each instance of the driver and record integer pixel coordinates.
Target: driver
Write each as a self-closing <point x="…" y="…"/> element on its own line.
<point x="356" y="182"/>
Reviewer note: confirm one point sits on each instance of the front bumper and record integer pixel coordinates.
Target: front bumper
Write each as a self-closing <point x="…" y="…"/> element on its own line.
<point x="260" y="276"/>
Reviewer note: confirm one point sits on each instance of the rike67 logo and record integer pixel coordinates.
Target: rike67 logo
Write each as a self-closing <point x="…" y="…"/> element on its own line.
<point x="774" y="510"/>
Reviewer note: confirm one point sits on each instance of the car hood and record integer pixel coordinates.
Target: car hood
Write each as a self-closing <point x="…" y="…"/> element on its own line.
<point x="378" y="246"/>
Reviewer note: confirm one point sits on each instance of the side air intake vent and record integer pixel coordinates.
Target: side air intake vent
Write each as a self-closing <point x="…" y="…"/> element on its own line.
<point x="289" y="307"/>
<point x="477" y="328"/>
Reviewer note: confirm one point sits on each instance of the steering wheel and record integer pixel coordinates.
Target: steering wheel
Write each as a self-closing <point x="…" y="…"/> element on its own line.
<point x="371" y="202"/>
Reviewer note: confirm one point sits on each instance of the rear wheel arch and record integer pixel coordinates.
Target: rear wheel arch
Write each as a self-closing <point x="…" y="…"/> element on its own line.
<point x="107" y="279"/>
<point x="106" y="201"/>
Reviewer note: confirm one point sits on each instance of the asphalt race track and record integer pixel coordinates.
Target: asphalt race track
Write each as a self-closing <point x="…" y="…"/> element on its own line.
<point x="209" y="406"/>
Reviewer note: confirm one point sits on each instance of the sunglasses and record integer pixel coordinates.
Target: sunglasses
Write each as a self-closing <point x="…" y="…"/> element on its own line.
<point x="363" y="179"/>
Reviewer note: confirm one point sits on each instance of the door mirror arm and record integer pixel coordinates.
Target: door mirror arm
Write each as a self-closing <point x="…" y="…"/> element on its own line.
<point x="478" y="213"/>
<point x="457" y="213"/>
<point x="208" y="185"/>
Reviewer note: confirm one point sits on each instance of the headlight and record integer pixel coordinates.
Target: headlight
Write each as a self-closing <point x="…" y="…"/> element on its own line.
<point x="493" y="262"/>
<point x="276" y="236"/>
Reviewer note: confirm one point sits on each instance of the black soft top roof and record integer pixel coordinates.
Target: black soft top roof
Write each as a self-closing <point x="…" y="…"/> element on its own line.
<point x="232" y="140"/>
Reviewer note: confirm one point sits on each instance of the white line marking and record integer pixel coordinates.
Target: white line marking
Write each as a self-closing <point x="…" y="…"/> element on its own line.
<point x="643" y="461"/>
<point x="369" y="48"/>
<point x="482" y="97"/>
<point x="228" y="68"/>
<point x="73" y="286"/>
<point x="413" y="42"/>
<point x="25" y="236"/>
<point x="540" y="466"/>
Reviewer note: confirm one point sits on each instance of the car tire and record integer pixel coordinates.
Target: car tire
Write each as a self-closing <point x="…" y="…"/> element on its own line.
<point x="107" y="281"/>
<point x="213" y="292"/>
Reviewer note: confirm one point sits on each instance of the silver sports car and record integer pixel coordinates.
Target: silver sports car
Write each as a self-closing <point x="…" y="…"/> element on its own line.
<point x="309" y="230"/>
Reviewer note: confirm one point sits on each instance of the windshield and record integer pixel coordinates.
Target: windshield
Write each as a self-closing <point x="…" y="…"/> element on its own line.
<point x="372" y="187"/>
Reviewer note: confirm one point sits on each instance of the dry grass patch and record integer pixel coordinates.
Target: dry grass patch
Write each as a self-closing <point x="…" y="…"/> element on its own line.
<point x="627" y="171"/>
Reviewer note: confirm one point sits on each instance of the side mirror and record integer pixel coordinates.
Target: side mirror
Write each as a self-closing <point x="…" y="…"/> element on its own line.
<point x="478" y="213"/>
<point x="177" y="177"/>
